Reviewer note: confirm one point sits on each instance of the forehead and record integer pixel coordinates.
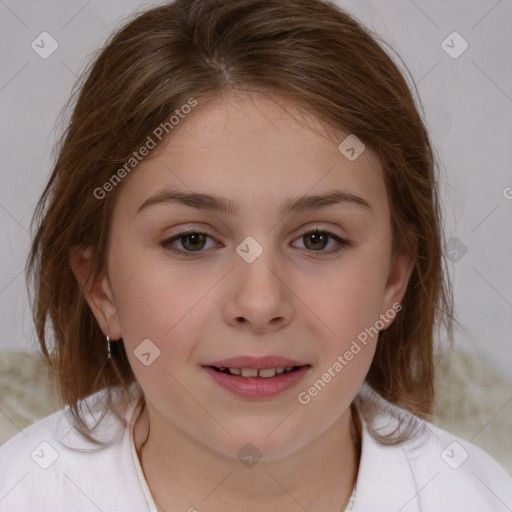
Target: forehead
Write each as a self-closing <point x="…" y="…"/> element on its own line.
<point x="253" y="150"/>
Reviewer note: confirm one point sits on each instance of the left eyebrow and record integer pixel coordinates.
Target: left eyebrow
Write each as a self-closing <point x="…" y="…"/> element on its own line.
<point x="224" y="205"/>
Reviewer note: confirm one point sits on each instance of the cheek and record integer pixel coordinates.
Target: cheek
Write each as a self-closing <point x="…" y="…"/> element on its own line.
<point x="160" y="313"/>
<point x="159" y="303"/>
<point x="347" y="298"/>
<point x="152" y="291"/>
<point x="348" y="304"/>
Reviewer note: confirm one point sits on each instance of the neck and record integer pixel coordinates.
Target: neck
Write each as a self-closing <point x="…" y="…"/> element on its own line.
<point x="184" y="474"/>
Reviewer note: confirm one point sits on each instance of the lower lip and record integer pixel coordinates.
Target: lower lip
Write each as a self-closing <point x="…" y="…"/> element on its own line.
<point x="257" y="387"/>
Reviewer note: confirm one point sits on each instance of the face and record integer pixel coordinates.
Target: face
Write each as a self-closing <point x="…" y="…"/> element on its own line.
<point x="253" y="283"/>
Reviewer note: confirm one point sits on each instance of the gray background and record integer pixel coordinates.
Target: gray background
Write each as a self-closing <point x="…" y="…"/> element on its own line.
<point x="468" y="105"/>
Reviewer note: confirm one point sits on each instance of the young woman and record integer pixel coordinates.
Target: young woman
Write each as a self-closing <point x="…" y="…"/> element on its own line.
<point x="239" y="256"/>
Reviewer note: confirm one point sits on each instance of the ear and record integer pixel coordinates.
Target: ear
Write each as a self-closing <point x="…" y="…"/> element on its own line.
<point x="399" y="273"/>
<point x="98" y="294"/>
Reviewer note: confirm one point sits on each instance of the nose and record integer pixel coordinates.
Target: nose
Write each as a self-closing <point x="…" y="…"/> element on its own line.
<point x="261" y="296"/>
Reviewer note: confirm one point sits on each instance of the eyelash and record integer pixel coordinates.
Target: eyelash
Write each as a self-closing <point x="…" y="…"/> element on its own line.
<point x="167" y="244"/>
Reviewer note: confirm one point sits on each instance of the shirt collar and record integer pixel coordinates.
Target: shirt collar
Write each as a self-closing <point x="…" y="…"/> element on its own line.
<point x="385" y="480"/>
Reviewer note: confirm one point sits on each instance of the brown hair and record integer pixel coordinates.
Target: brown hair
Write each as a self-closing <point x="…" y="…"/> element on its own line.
<point x="308" y="52"/>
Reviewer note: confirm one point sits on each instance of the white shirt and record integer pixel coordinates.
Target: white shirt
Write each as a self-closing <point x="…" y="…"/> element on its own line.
<point x="436" y="472"/>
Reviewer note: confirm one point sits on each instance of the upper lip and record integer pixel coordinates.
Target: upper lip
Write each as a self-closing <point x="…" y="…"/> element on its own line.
<point x="270" y="361"/>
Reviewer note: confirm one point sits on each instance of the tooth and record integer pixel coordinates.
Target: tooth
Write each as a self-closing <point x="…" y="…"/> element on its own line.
<point x="267" y="372"/>
<point x="234" y="371"/>
<point x="289" y="368"/>
<point x="249" y="372"/>
<point x="279" y="370"/>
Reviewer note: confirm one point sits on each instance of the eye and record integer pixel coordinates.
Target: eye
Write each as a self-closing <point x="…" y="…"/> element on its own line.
<point x="317" y="240"/>
<point x="191" y="241"/>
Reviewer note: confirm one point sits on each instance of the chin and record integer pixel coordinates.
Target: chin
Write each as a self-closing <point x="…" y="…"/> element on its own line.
<point x="253" y="444"/>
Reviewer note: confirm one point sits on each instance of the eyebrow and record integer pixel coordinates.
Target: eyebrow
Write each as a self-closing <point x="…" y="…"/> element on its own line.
<point x="227" y="206"/>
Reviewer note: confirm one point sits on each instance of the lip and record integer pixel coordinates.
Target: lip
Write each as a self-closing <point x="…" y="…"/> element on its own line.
<point x="270" y="361"/>
<point x="257" y="387"/>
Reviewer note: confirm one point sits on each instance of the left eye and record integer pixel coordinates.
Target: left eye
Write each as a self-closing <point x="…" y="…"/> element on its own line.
<point x="317" y="240"/>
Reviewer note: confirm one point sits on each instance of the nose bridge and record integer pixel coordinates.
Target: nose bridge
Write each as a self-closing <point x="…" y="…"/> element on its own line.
<point x="257" y="262"/>
<point x="261" y="295"/>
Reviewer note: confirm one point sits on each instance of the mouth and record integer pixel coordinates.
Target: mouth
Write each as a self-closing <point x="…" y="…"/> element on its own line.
<point x="257" y="377"/>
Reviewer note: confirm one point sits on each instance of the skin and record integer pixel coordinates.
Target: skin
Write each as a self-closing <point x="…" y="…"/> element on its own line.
<point x="291" y="301"/>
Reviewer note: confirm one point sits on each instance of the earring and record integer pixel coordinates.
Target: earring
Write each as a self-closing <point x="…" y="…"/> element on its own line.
<point x="109" y="354"/>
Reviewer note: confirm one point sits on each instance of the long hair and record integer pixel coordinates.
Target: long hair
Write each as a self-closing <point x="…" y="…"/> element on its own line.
<point x="309" y="52"/>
